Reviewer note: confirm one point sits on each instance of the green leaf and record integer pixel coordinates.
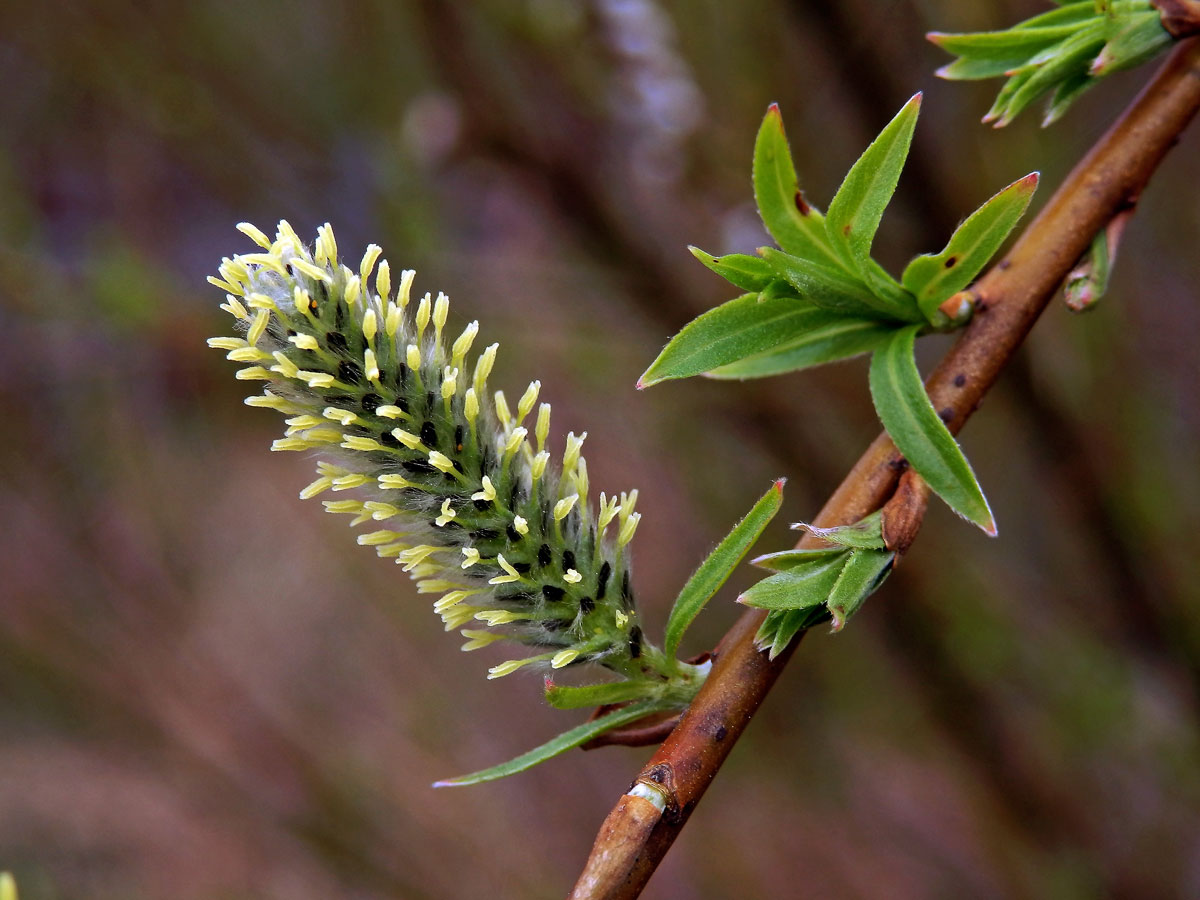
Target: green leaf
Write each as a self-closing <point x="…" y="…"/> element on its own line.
<point x="785" y="560"/>
<point x="748" y="326"/>
<point x="589" y="695"/>
<point x="779" y="627"/>
<point x="796" y="226"/>
<point x="835" y="289"/>
<point x="968" y="69"/>
<point x="862" y="575"/>
<point x="747" y="272"/>
<point x="1068" y="56"/>
<point x="1068" y="91"/>
<point x="1013" y="42"/>
<point x="866" y="533"/>
<point x="1080" y="11"/>
<point x="934" y="279"/>
<point x="1142" y="38"/>
<point x="1088" y="281"/>
<point x="855" y="211"/>
<point x="798" y="588"/>
<point x="827" y="338"/>
<point x="918" y="432"/>
<point x="568" y="740"/>
<point x="714" y="571"/>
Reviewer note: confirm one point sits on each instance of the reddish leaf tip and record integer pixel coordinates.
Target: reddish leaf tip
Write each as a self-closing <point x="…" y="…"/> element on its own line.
<point x="990" y="528"/>
<point x="779" y="483"/>
<point x="935" y="37"/>
<point x="448" y="783"/>
<point x="641" y="385"/>
<point x="773" y="110"/>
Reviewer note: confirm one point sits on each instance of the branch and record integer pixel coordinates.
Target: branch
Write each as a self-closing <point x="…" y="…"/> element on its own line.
<point x="636" y="834"/>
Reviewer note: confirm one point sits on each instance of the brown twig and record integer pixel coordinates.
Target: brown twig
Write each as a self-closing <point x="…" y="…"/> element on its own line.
<point x="1180" y="17"/>
<point x="1012" y="295"/>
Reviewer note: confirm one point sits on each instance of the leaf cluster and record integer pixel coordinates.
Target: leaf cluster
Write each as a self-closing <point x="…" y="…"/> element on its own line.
<point x="814" y="586"/>
<point x="820" y="296"/>
<point x="1062" y="53"/>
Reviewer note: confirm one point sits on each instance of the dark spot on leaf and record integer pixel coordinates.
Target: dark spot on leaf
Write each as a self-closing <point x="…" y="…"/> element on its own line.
<point x="336" y="341"/>
<point x="602" y="580"/>
<point x="458" y="438"/>
<point x="521" y="567"/>
<point x="960" y="379"/>
<point x="950" y="262"/>
<point x="552" y="592"/>
<point x="484" y="534"/>
<point x="635" y="642"/>
<point x="846" y="229"/>
<point x="371" y="402"/>
<point x="419" y="466"/>
<point x="720" y="734"/>
<point x="801" y="204"/>
<point x="481" y="505"/>
<point x="513" y="534"/>
<point x="568" y="560"/>
<point x="349" y="372"/>
<point x="388" y="439"/>
<point x="339" y="316"/>
<point x="545" y="555"/>
<point x="586" y="605"/>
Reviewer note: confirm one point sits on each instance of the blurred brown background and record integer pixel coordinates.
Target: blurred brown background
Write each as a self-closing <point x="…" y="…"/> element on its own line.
<point x="208" y="691"/>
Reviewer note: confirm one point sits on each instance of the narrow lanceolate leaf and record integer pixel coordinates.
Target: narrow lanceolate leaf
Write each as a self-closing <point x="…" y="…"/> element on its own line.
<point x="856" y="209"/>
<point x="914" y="426"/>
<point x="568" y="740"/>
<point x="866" y="533"/>
<point x="592" y="695"/>
<point x="1072" y="54"/>
<point x="747" y="272"/>
<point x="781" y="626"/>
<point x="784" y="560"/>
<point x="714" y="571"/>
<point x="1143" y="38"/>
<point x="799" y="588"/>
<point x="826" y="337"/>
<point x="796" y="226"/>
<point x="747" y="327"/>
<point x="833" y="288"/>
<point x="862" y="575"/>
<point x="1019" y="42"/>
<point x="934" y="278"/>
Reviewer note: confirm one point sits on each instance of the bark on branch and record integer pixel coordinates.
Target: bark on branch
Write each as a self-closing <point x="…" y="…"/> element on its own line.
<point x="635" y="836"/>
